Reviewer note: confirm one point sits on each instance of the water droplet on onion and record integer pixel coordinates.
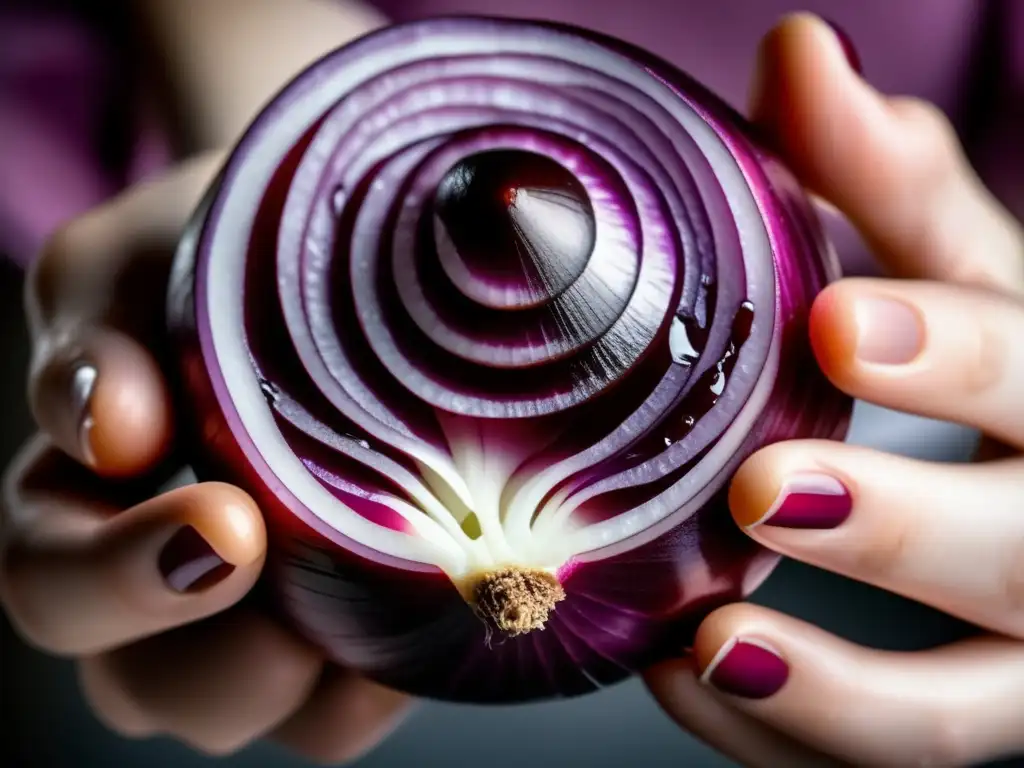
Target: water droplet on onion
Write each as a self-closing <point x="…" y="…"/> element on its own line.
<point x="271" y="392"/>
<point x="679" y="344"/>
<point x="718" y="385"/>
<point x="338" y="199"/>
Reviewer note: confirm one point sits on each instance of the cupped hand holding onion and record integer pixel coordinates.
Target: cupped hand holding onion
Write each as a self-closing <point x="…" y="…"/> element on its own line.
<point x="172" y="652"/>
<point x="484" y="314"/>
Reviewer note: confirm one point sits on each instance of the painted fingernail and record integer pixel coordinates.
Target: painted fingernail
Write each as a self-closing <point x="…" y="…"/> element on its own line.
<point x="809" y="500"/>
<point x="83" y="384"/>
<point x="748" y="668"/>
<point x="189" y="564"/>
<point x="848" y="47"/>
<point x="889" y="332"/>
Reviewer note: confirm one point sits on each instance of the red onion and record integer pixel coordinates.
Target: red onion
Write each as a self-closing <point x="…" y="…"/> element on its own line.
<point x="484" y="314"/>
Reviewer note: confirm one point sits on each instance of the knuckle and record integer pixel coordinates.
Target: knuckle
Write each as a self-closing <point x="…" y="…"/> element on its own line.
<point x="16" y="595"/>
<point x="1014" y="586"/>
<point x="972" y="272"/>
<point x="112" y="702"/>
<point x="45" y="615"/>
<point x="947" y="744"/>
<point x="935" y="138"/>
<point x="987" y="358"/>
<point x="57" y="255"/>
<point x="16" y="517"/>
<point x="58" y="247"/>
<point x="70" y="267"/>
<point x="882" y="551"/>
<point x="42" y="635"/>
<point x="285" y="666"/>
<point x="941" y="171"/>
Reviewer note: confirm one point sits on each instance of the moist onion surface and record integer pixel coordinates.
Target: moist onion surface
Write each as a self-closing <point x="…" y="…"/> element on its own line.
<point x="484" y="314"/>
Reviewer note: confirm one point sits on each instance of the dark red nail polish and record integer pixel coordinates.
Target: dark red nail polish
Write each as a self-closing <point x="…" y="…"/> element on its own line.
<point x="848" y="47"/>
<point x="189" y="564"/>
<point x="748" y="668"/>
<point x="810" y="501"/>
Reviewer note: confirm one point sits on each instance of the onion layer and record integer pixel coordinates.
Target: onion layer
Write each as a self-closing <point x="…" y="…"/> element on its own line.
<point x="485" y="314"/>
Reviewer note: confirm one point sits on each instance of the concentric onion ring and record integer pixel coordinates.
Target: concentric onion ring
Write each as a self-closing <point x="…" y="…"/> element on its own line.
<point x="476" y="294"/>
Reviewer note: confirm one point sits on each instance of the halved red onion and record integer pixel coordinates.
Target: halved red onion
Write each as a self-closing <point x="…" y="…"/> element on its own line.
<point x="484" y="314"/>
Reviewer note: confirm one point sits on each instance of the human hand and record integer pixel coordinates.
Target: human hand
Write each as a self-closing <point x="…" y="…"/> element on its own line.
<point x="144" y="591"/>
<point x="770" y="690"/>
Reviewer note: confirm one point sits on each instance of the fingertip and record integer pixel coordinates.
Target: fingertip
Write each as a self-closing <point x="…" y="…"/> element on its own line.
<point x="225" y="516"/>
<point x="717" y="630"/>
<point x="738" y="653"/>
<point x="102" y="398"/>
<point x="743" y="736"/>
<point x="753" y="489"/>
<point x="132" y="424"/>
<point x="781" y="75"/>
<point x="92" y="583"/>
<point x="814" y="108"/>
<point x="833" y="331"/>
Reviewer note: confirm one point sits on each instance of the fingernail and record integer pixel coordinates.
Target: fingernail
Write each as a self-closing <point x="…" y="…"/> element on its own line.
<point x="83" y="384"/>
<point x="748" y="668"/>
<point x="847" y="45"/>
<point x="809" y="500"/>
<point x="888" y="331"/>
<point x="189" y="564"/>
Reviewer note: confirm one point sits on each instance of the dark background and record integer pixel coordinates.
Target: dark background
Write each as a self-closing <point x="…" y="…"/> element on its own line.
<point x="44" y="723"/>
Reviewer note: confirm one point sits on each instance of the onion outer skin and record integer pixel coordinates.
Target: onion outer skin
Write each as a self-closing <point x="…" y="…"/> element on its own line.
<point x="404" y="623"/>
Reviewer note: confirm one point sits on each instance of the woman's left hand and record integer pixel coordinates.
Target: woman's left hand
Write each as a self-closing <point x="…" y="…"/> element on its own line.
<point x="946" y="342"/>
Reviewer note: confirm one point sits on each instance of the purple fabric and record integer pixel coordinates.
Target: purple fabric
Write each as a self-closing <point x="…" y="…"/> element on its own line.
<point x="60" y="96"/>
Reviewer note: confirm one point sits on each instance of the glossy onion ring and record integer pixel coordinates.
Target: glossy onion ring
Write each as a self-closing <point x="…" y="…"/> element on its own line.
<point x="484" y="314"/>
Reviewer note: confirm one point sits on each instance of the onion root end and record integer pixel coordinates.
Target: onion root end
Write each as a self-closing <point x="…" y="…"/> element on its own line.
<point x="517" y="600"/>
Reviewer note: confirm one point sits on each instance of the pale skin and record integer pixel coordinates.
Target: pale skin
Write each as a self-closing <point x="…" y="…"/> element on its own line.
<point x="79" y="581"/>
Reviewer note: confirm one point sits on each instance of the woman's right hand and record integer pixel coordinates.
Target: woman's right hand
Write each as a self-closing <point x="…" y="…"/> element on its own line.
<point x="143" y="590"/>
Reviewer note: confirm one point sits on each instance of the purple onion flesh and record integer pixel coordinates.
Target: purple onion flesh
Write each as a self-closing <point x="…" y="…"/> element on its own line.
<point x="485" y="314"/>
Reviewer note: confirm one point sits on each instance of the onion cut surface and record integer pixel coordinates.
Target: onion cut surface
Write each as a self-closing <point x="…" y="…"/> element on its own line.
<point x="484" y="314"/>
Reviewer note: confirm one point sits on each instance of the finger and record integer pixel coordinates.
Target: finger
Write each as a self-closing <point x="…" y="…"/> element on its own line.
<point x="345" y="718"/>
<point x="95" y="300"/>
<point x="111" y="265"/>
<point x="894" y="166"/>
<point x="118" y="423"/>
<point x="929" y="348"/>
<point x="218" y="685"/>
<point x="742" y="737"/>
<point x="952" y="706"/>
<point x="948" y="536"/>
<point x="76" y="580"/>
